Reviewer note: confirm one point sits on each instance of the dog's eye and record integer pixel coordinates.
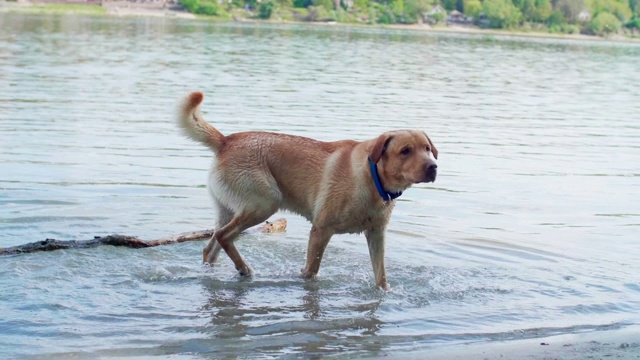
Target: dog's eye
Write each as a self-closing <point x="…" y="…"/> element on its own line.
<point x="405" y="151"/>
<point x="428" y="149"/>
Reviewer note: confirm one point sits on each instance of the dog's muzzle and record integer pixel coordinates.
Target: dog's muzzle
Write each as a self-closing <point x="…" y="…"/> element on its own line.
<point x="431" y="171"/>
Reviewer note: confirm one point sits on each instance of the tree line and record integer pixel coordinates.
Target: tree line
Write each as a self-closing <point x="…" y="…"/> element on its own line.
<point x="596" y="17"/>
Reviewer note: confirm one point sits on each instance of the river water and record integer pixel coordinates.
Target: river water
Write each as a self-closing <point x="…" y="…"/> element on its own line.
<point x="530" y="230"/>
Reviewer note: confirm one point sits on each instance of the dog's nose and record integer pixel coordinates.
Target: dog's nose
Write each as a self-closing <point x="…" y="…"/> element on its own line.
<point x="431" y="172"/>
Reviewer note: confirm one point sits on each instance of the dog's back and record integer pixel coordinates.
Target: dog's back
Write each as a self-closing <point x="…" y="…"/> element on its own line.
<point x="266" y="170"/>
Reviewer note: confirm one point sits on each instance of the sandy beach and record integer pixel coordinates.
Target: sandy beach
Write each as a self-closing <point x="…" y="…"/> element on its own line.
<point x="617" y="343"/>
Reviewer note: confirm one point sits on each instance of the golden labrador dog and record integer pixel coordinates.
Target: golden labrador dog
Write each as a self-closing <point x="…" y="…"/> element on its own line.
<point x="340" y="187"/>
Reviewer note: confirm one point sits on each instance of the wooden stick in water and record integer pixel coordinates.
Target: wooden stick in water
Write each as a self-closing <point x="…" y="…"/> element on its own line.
<point x="276" y="226"/>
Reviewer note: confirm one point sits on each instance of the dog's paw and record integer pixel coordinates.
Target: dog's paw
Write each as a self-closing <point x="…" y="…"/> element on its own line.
<point x="245" y="271"/>
<point x="384" y="286"/>
<point x="209" y="256"/>
<point x="307" y="274"/>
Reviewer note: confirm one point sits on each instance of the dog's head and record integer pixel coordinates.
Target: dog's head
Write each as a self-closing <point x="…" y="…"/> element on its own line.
<point x="404" y="158"/>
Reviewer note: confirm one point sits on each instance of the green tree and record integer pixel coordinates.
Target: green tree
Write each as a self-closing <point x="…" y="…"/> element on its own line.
<point x="284" y="3"/>
<point x="571" y="8"/>
<point x="317" y="13"/>
<point x="472" y="7"/>
<point x="326" y="4"/>
<point x="528" y="9"/>
<point x="449" y="5"/>
<point x="502" y="14"/>
<point x="633" y="24"/>
<point x="265" y="9"/>
<point x="190" y="5"/>
<point x="543" y="10"/>
<point x="302" y="3"/>
<point x="362" y="4"/>
<point x="618" y="8"/>
<point x="556" y="20"/>
<point x="413" y="9"/>
<point x="397" y="6"/>
<point x="208" y="8"/>
<point x="387" y="17"/>
<point x="604" y="24"/>
<point x="205" y="7"/>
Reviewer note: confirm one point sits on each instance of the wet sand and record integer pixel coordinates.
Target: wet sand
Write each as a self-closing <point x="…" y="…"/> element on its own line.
<point x="621" y="343"/>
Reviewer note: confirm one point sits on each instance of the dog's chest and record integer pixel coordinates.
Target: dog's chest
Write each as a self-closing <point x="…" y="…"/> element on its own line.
<point x="358" y="220"/>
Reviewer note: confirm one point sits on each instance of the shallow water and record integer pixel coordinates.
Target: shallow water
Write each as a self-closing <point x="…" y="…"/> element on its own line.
<point x="529" y="231"/>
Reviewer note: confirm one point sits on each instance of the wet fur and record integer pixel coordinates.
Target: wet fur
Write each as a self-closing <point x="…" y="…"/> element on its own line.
<point x="329" y="183"/>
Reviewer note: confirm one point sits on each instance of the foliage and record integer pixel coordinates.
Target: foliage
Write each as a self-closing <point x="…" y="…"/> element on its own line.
<point x="318" y="13"/>
<point x="438" y="17"/>
<point x="361" y="4"/>
<point x="634" y="23"/>
<point x="70" y="9"/>
<point x="543" y="10"/>
<point x="472" y="7"/>
<point x="342" y="16"/>
<point x="556" y="20"/>
<point x="571" y="8"/>
<point x="302" y="3"/>
<point x="190" y="5"/>
<point x="266" y="9"/>
<point x="209" y="7"/>
<point x="284" y="3"/>
<point x="326" y="4"/>
<point x="413" y="9"/>
<point x="561" y="16"/>
<point x="502" y="14"/>
<point x="449" y="5"/>
<point x="397" y="6"/>
<point x="618" y="8"/>
<point x="387" y="17"/>
<point x="528" y="9"/>
<point x="604" y="24"/>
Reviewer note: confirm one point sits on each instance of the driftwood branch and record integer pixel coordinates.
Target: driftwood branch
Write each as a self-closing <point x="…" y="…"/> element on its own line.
<point x="279" y="225"/>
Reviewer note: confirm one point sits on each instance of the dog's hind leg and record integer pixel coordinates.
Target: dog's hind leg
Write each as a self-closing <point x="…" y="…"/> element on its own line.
<point x="212" y="250"/>
<point x="228" y="233"/>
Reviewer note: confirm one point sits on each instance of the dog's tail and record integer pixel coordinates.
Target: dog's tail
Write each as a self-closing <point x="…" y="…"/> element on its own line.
<point x="193" y="124"/>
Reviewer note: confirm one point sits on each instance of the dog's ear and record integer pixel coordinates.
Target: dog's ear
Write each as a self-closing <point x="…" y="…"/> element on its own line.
<point x="380" y="147"/>
<point x="434" y="151"/>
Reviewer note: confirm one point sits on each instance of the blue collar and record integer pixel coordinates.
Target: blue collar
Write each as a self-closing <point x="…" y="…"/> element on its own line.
<point x="386" y="196"/>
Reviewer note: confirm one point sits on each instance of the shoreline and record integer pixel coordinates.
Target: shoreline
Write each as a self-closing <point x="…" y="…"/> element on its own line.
<point x="618" y="343"/>
<point x="127" y="8"/>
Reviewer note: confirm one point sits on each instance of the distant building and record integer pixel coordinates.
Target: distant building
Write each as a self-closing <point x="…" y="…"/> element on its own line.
<point x="458" y="18"/>
<point x="584" y="16"/>
<point x="437" y="10"/>
<point x="437" y="13"/>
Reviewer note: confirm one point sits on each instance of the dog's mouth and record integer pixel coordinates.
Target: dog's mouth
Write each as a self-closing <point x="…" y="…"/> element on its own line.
<point x="430" y="173"/>
<point x="429" y="180"/>
<point x="425" y="179"/>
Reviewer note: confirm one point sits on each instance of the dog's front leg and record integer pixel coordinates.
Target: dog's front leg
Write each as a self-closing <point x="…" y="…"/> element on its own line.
<point x="375" y="240"/>
<point x="318" y="240"/>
